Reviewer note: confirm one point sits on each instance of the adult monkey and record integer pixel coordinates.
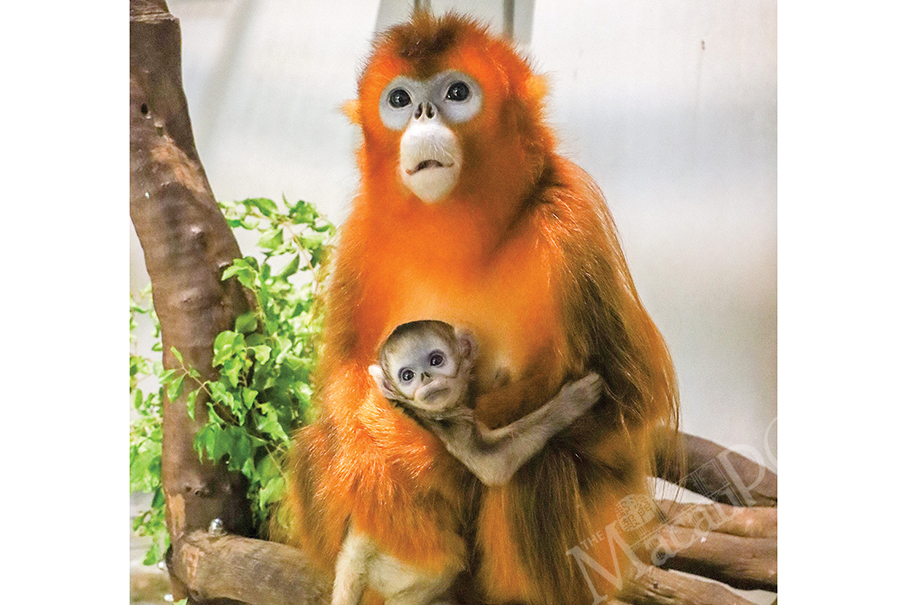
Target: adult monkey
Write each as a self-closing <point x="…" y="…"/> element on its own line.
<point x="467" y="214"/>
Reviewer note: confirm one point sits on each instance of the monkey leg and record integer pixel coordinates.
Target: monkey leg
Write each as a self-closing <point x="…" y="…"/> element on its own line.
<point x="405" y="584"/>
<point x="352" y="572"/>
<point x="362" y="564"/>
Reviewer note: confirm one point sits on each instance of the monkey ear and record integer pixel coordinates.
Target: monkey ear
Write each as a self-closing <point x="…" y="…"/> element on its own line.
<point x="468" y="345"/>
<point x="381" y="382"/>
<point x="351" y="110"/>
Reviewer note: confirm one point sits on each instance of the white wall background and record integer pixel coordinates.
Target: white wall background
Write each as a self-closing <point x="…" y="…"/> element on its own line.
<point x="670" y="106"/>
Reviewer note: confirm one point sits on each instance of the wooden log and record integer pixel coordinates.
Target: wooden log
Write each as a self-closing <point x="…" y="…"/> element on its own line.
<point x="659" y="587"/>
<point x="717" y="473"/>
<point x="252" y="571"/>
<point x="755" y="522"/>
<point x="745" y="563"/>
<point x="187" y="245"/>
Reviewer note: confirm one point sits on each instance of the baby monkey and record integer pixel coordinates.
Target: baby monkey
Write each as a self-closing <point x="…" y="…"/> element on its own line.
<point x="425" y="367"/>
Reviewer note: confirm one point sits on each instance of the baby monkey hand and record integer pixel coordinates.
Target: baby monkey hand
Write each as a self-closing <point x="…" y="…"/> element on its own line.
<point x="577" y="397"/>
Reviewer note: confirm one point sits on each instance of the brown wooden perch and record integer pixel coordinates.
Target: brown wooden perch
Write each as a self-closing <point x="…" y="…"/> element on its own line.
<point x="187" y="245"/>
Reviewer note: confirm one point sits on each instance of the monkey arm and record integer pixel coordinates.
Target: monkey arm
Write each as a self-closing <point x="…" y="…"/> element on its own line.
<point x="507" y="403"/>
<point x="495" y="455"/>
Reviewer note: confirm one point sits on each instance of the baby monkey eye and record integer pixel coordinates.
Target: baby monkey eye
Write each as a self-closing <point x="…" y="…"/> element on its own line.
<point x="458" y="91"/>
<point x="436" y="359"/>
<point x="406" y="375"/>
<point x="398" y="98"/>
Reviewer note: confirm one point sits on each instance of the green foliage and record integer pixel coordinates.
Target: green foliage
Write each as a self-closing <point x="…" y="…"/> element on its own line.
<point x="262" y="392"/>
<point x="145" y="432"/>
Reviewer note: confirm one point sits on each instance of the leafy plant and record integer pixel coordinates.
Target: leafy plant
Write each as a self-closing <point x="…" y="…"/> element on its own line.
<point x="145" y="431"/>
<point x="262" y="393"/>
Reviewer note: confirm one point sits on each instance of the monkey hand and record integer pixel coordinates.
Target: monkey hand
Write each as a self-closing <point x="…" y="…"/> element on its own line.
<point x="577" y="397"/>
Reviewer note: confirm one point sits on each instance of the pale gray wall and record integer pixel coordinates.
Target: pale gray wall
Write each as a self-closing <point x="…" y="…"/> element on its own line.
<point x="670" y="106"/>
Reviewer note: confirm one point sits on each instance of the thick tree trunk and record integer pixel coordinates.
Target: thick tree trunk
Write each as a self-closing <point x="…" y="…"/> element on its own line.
<point x="187" y="245"/>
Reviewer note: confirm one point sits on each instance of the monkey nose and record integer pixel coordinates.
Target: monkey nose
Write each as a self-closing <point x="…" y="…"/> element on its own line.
<point x="426" y="109"/>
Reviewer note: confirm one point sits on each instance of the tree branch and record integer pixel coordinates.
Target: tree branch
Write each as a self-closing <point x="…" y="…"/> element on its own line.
<point x="255" y="572"/>
<point x="659" y="587"/>
<point x="746" y="563"/>
<point x="756" y="522"/>
<point x="718" y="473"/>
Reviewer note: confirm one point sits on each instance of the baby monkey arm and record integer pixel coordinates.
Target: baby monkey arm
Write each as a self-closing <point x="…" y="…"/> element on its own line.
<point x="495" y="455"/>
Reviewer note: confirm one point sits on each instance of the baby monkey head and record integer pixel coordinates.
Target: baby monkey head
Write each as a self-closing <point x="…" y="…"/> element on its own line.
<point x="426" y="365"/>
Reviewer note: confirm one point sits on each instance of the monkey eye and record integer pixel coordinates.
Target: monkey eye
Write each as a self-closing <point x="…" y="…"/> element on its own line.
<point x="436" y="359"/>
<point x="406" y="375"/>
<point x="458" y="91"/>
<point x="398" y="98"/>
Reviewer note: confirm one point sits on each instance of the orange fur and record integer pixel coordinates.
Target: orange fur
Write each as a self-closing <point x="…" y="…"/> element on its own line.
<point x="523" y="253"/>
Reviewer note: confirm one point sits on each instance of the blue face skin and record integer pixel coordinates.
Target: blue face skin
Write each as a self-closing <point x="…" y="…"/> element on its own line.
<point x="427" y="373"/>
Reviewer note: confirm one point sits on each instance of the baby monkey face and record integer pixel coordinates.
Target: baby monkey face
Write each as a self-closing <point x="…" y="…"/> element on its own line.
<point x="427" y="372"/>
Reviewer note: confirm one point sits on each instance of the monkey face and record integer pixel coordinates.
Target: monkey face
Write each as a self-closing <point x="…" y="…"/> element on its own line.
<point x="431" y="157"/>
<point x="427" y="373"/>
<point x="448" y="113"/>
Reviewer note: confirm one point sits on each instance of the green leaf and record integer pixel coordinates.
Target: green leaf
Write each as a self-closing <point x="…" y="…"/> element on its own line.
<point x="267" y="469"/>
<point x="175" y="387"/>
<point x="248" y="468"/>
<point x="303" y="213"/>
<point x="291" y="268"/>
<point x="231" y="369"/>
<point x="248" y="397"/>
<point x="266" y="206"/>
<point x="205" y="441"/>
<point x="271" y="239"/>
<point x="177" y="354"/>
<point x="247" y="322"/>
<point x="223" y="443"/>
<point x="317" y="255"/>
<point x="153" y="555"/>
<point x="272" y="492"/>
<point x="262" y="353"/>
<point x="191" y="399"/>
<point x="295" y="364"/>
<point x="269" y="424"/>
<point x="157" y="500"/>
<point x="246" y="272"/>
<point x="220" y="394"/>
<point x="241" y="450"/>
<point x="226" y="345"/>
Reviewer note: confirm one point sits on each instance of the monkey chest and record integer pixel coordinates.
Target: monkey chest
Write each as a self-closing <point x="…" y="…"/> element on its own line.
<point x="508" y="299"/>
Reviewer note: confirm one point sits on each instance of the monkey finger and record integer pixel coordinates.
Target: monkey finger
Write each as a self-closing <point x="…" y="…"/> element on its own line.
<point x="587" y="389"/>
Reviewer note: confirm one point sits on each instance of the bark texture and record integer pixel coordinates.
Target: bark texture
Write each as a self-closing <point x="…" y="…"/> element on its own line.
<point x="718" y="473"/>
<point x="187" y="245"/>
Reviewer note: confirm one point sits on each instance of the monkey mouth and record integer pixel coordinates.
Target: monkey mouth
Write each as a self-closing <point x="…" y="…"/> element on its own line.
<point x="430" y="394"/>
<point x="427" y="164"/>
